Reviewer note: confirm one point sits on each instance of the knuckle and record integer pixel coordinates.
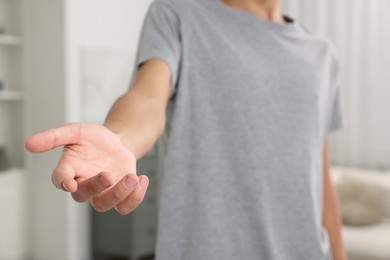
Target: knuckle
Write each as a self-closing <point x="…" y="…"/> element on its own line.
<point x="104" y="181"/>
<point x="94" y="188"/>
<point x="117" y="195"/>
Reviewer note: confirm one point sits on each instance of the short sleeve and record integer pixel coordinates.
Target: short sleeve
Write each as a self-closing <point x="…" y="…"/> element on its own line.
<point x="336" y="118"/>
<point x="160" y="38"/>
<point x="335" y="112"/>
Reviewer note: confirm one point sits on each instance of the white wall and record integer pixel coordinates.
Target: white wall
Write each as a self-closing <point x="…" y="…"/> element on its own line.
<point x="45" y="90"/>
<point x="58" y="32"/>
<point x="104" y="27"/>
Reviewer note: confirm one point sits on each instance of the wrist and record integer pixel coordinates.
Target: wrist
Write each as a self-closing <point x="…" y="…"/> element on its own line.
<point x="135" y="138"/>
<point x="121" y="136"/>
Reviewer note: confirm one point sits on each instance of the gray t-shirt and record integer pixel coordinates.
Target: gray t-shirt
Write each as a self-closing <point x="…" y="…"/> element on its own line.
<point x="252" y="103"/>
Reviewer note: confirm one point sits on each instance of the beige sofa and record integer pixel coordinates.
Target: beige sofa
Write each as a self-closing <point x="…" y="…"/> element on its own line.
<point x="364" y="197"/>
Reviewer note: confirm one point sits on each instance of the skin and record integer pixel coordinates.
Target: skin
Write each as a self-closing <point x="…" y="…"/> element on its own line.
<point x="98" y="162"/>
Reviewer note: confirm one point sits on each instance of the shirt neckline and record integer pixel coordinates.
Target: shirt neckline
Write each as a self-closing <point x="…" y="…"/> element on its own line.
<point x="290" y="24"/>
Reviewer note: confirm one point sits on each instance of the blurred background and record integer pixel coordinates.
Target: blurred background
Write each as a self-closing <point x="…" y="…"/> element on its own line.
<point x="67" y="60"/>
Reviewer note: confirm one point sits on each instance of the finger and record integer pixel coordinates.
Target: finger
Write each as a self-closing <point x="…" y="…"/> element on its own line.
<point x="63" y="177"/>
<point x="107" y="200"/>
<point x="92" y="187"/>
<point x="52" y="138"/>
<point x="135" y="198"/>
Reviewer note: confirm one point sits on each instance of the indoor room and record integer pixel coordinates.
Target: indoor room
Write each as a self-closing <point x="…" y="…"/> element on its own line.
<point x="324" y="118"/>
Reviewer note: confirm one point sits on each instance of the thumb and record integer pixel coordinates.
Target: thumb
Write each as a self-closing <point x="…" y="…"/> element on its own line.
<point x="64" y="176"/>
<point x="53" y="138"/>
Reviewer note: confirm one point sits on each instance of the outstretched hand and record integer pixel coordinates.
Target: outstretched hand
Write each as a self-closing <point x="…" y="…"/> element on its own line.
<point x="95" y="166"/>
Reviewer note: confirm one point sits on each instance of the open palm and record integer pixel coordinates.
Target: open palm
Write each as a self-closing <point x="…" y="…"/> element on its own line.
<point x="94" y="166"/>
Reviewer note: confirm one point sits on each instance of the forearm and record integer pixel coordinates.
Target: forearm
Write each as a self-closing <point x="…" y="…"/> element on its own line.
<point x="331" y="219"/>
<point x="138" y="117"/>
<point x="137" y="120"/>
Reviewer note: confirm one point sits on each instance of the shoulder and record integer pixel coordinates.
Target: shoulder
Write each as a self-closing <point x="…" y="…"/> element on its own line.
<point x="322" y="40"/>
<point x="326" y="47"/>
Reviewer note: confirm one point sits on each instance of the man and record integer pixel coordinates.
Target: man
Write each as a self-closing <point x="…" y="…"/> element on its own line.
<point x="253" y="97"/>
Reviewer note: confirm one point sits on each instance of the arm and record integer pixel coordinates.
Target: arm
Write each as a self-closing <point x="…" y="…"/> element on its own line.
<point x="138" y="117"/>
<point x="331" y="215"/>
<point x="98" y="163"/>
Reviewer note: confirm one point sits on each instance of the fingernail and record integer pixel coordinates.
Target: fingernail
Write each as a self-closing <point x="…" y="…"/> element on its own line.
<point x="130" y="182"/>
<point x="103" y="182"/>
<point x="144" y="182"/>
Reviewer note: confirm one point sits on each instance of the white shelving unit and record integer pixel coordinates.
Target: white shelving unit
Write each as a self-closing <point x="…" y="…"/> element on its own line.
<point x="11" y="81"/>
<point x="6" y="95"/>
<point x="12" y="179"/>
<point x="10" y="40"/>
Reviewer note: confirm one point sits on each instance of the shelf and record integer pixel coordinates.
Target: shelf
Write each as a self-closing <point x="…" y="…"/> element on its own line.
<point x="11" y="172"/>
<point x="10" y="40"/>
<point x="10" y="95"/>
